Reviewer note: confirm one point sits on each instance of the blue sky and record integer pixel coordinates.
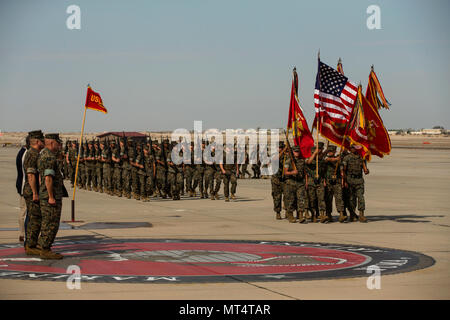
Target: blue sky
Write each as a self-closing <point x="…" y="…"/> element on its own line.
<point x="160" y="65"/>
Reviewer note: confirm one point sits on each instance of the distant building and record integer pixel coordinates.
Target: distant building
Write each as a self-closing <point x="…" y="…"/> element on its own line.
<point x="135" y="136"/>
<point x="432" y="131"/>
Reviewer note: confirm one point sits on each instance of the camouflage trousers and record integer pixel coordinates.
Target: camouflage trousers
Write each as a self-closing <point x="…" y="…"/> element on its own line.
<point x="357" y="197"/>
<point x="91" y="177"/>
<point x="189" y="176"/>
<point x="346" y="199"/>
<point x="198" y="180"/>
<point x="218" y="180"/>
<point x="106" y="176"/>
<point x="50" y="222"/>
<point x="174" y="180"/>
<point x="316" y="197"/>
<point x="81" y="177"/>
<point x="294" y="195"/>
<point x="256" y="170"/>
<point x="72" y="168"/>
<point x="277" y="193"/>
<point x="99" y="176"/>
<point x="149" y="185"/>
<point x="160" y="182"/>
<point x="34" y="222"/>
<point x="209" y="180"/>
<point x="333" y="190"/>
<point x="141" y="189"/>
<point x="227" y="178"/>
<point x="244" y="170"/>
<point x="117" y="179"/>
<point x="135" y="180"/>
<point x="126" y="180"/>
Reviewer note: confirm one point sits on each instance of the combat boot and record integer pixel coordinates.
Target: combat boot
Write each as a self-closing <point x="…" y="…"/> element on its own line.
<point x="32" y="251"/>
<point x="361" y="216"/>
<point x="227" y="199"/>
<point x="216" y="196"/>
<point x="233" y="197"/>
<point x="137" y="196"/>
<point x="301" y="218"/>
<point x="94" y="188"/>
<point x="342" y="218"/>
<point x="88" y="188"/>
<point x="100" y="190"/>
<point x="353" y="217"/>
<point x="278" y="216"/>
<point x="291" y="217"/>
<point x="307" y="215"/>
<point x="119" y="194"/>
<point x="212" y="196"/>
<point x="50" y="255"/>
<point x="323" y="217"/>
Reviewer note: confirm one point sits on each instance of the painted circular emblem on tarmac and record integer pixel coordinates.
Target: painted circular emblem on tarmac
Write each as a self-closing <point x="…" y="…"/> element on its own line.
<point x="190" y="261"/>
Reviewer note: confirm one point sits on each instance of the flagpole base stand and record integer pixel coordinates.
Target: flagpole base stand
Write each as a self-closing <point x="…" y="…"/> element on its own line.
<point x="73" y="214"/>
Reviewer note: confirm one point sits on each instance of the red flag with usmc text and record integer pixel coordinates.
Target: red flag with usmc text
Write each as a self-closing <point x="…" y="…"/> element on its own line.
<point x="299" y="126"/>
<point x="94" y="101"/>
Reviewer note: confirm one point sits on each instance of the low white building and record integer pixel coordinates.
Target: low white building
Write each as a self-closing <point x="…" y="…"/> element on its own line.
<point x="432" y="131"/>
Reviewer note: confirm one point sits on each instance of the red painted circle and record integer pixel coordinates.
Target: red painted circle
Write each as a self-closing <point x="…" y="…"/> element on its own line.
<point x="184" y="259"/>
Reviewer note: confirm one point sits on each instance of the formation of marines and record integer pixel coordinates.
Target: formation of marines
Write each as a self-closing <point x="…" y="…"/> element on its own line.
<point x="125" y="168"/>
<point x="307" y="188"/>
<point x="141" y="170"/>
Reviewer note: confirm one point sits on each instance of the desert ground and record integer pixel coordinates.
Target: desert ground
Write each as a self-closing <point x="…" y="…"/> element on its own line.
<point x="408" y="207"/>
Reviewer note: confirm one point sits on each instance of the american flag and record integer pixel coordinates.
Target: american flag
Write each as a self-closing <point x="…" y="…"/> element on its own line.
<point x="334" y="95"/>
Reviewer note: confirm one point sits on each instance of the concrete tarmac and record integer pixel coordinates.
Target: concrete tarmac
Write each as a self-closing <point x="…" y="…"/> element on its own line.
<point x="408" y="207"/>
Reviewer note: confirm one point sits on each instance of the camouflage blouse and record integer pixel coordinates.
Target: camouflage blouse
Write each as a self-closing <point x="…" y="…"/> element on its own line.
<point x="48" y="166"/>
<point x="30" y="165"/>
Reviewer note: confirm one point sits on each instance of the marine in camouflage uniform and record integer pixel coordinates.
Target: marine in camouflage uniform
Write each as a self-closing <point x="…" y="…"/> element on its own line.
<point x="189" y="171"/>
<point x="294" y="186"/>
<point x="132" y="154"/>
<point x="149" y="167"/>
<point x="229" y="172"/>
<point x="98" y="168"/>
<point x="316" y="186"/>
<point x="353" y="168"/>
<point x="72" y="160"/>
<point x="244" y="167"/>
<point x="116" y="160"/>
<point x="210" y="170"/>
<point x="105" y="159"/>
<point x="89" y="158"/>
<point x="173" y="178"/>
<point x="31" y="191"/>
<point x="277" y="181"/>
<point x="167" y="150"/>
<point x="141" y="173"/>
<point x="333" y="188"/>
<point x="345" y="190"/>
<point x="199" y="173"/>
<point x="81" y="176"/>
<point x="126" y="167"/>
<point x="160" y="163"/>
<point x="50" y="200"/>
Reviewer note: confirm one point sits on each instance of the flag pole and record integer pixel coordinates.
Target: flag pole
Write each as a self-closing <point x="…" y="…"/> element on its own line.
<point x="76" y="170"/>
<point x="317" y="123"/>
